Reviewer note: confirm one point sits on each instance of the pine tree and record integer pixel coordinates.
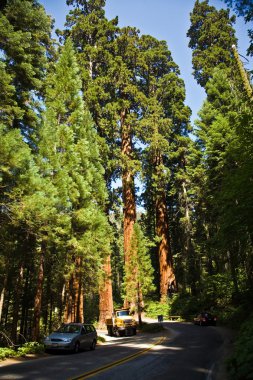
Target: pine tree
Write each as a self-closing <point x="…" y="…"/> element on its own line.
<point x="211" y="37"/>
<point x="93" y="36"/>
<point x="71" y="158"/>
<point x="218" y="140"/>
<point x="25" y="42"/>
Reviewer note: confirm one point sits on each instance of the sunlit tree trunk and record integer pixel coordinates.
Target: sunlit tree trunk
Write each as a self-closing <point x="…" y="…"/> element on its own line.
<point x="105" y="293"/>
<point x="129" y="210"/>
<point x="167" y="277"/>
<point x="2" y="297"/>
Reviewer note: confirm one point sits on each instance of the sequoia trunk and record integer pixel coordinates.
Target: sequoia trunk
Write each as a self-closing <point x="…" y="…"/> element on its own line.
<point x="105" y="294"/>
<point x="129" y="210"/>
<point x="167" y="277"/>
<point x="74" y="310"/>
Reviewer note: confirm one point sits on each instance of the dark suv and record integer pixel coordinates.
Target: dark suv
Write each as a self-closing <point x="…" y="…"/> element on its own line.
<point x="205" y="319"/>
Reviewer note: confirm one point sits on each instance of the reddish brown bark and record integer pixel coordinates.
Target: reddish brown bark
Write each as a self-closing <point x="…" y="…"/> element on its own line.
<point x="167" y="277"/>
<point x="128" y="186"/>
<point x="74" y="295"/>
<point x="105" y="294"/>
<point x="129" y="204"/>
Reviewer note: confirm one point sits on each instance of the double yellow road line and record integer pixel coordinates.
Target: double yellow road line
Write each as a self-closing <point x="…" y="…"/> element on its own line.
<point x="117" y="362"/>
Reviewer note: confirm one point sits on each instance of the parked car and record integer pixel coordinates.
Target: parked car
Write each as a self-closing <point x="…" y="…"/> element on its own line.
<point x="205" y="319"/>
<point x="73" y="337"/>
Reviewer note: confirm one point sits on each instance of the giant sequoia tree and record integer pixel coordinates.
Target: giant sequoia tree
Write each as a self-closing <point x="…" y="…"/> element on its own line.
<point x="164" y="127"/>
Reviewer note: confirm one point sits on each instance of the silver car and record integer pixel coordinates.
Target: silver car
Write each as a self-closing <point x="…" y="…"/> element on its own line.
<point x="73" y="337"/>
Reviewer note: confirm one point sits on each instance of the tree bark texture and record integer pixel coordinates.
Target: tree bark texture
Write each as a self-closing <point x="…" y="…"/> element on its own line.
<point x="128" y="186"/>
<point x="105" y="294"/>
<point x="167" y="277"/>
<point x="129" y="203"/>
<point x="74" y="309"/>
<point x="38" y="296"/>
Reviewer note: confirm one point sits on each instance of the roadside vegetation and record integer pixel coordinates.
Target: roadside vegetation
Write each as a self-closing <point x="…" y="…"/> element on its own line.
<point x="22" y="351"/>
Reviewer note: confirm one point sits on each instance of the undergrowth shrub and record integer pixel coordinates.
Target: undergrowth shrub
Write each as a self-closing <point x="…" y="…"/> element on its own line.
<point x="153" y="309"/>
<point x="27" y="348"/>
<point x="6" y="352"/>
<point x="240" y="365"/>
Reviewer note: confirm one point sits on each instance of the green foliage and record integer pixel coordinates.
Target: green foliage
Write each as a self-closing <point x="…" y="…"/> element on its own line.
<point x="26" y="349"/>
<point x="138" y="271"/>
<point x="25" y="46"/>
<point x="244" y="8"/>
<point x="7" y="353"/>
<point x="211" y="38"/>
<point x="240" y="365"/>
<point x="101" y="339"/>
<point x="153" y="309"/>
<point x="184" y="305"/>
<point x="30" y="348"/>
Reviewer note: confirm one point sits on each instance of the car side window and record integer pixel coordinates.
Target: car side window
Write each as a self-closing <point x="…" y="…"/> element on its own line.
<point x="88" y="329"/>
<point x="83" y="330"/>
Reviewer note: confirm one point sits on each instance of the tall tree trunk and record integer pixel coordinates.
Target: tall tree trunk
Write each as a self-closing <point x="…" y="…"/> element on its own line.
<point x="188" y="246"/>
<point x="67" y="315"/>
<point x="24" y="312"/>
<point x="167" y="277"/>
<point x="78" y="286"/>
<point x="74" y="296"/>
<point x="2" y="297"/>
<point x="105" y="294"/>
<point x="16" y="306"/>
<point x="38" y="296"/>
<point x="129" y="204"/>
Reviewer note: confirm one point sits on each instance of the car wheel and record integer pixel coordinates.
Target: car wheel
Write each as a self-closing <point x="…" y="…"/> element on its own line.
<point x="93" y="345"/>
<point x="77" y="347"/>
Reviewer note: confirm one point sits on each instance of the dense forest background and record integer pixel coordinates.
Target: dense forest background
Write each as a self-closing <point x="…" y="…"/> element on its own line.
<point x="102" y="104"/>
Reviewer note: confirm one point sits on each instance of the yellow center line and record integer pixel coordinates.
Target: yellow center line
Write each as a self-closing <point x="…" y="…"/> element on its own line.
<point x="117" y="362"/>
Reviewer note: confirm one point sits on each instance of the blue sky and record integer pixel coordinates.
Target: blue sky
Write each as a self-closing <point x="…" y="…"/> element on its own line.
<point x="165" y="20"/>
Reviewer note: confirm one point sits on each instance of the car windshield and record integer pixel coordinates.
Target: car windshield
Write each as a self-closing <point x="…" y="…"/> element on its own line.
<point x="69" y="329"/>
<point x="123" y="313"/>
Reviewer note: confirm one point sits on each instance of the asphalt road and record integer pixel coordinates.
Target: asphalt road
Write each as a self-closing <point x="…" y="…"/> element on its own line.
<point x="183" y="352"/>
